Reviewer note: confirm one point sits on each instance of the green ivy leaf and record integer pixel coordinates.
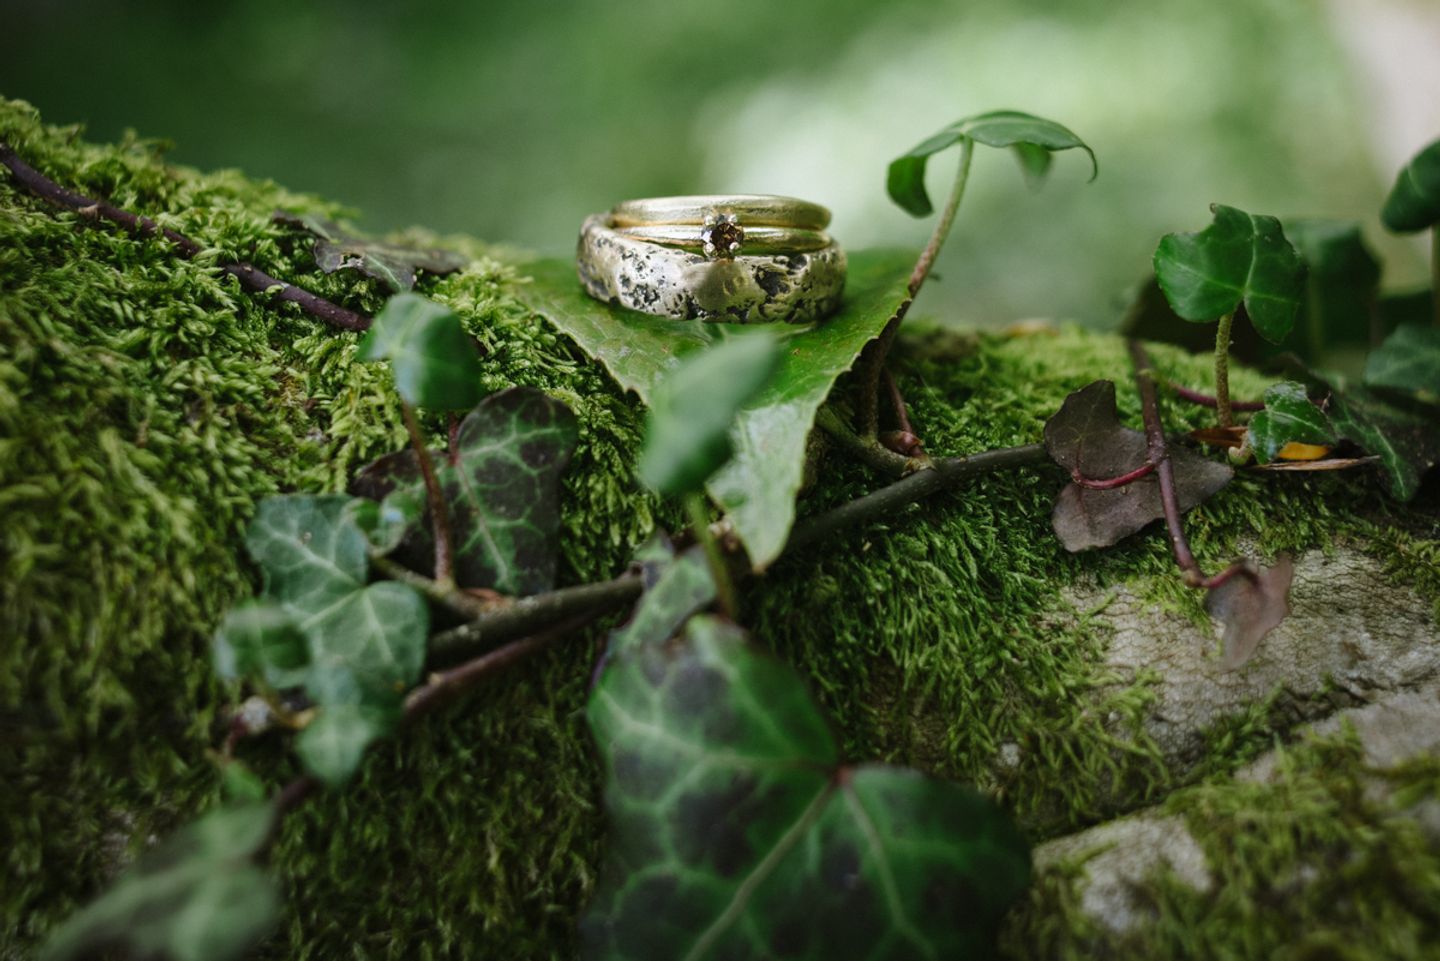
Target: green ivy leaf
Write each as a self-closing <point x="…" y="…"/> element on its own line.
<point x="759" y="485"/>
<point x="386" y="522"/>
<point x="332" y="745"/>
<point x="1408" y="444"/>
<point x="436" y="364"/>
<point x="687" y="436"/>
<point x="195" y="897"/>
<point x="502" y="488"/>
<point x="1409" y="360"/>
<point x="377" y="636"/>
<point x="261" y="639"/>
<point x="1239" y="259"/>
<point x="366" y="642"/>
<point x="1414" y="201"/>
<point x="1033" y="139"/>
<point x="735" y="831"/>
<point x="394" y="265"/>
<point x="1288" y="417"/>
<point x="308" y="558"/>
<point x="1085" y="436"/>
<point x="1342" y="283"/>
<point x="676" y="587"/>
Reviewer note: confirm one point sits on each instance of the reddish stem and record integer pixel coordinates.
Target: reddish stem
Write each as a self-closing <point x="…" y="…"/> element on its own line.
<point x="902" y="417"/>
<point x="439" y="512"/>
<point x="1205" y="400"/>
<point x="1159" y="457"/>
<point x="452" y="440"/>
<point x="1239" y="567"/>
<point x="251" y="277"/>
<point x="1111" y="483"/>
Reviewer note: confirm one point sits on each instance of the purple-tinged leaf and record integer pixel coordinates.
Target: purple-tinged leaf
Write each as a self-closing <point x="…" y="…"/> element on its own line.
<point x="502" y="488"/>
<point x="1086" y="438"/>
<point x="1250" y="604"/>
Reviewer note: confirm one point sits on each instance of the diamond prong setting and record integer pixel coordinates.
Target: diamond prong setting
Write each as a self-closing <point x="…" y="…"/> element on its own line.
<point x="721" y="235"/>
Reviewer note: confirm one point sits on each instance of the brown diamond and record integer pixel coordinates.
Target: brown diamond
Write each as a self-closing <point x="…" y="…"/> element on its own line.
<point x="724" y="238"/>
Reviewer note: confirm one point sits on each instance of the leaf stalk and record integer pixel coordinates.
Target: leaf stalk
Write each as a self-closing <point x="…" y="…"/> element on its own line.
<point x="439" y="511"/>
<point x="1222" y="368"/>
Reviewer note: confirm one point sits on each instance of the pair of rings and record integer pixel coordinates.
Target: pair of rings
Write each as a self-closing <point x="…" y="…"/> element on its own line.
<point x="744" y="258"/>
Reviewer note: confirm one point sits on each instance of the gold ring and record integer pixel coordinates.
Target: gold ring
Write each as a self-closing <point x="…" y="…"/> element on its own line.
<point x="714" y="240"/>
<point x="760" y="210"/>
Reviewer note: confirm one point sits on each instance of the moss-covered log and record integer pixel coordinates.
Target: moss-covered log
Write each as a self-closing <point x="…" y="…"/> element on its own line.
<point x="147" y="403"/>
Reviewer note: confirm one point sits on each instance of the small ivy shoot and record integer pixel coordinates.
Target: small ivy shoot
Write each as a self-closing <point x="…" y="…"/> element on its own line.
<point x="1032" y="138"/>
<point x="1240" y="264"/>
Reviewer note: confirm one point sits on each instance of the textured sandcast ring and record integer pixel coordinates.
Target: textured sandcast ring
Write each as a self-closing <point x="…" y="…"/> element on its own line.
<point x="669" y="281"/>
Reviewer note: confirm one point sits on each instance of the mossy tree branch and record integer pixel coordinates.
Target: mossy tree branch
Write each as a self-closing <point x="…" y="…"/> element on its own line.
<point x="250" y="277"/>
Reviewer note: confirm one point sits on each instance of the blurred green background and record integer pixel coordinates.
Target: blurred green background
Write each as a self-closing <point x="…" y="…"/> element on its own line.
<point x="511" y="120"/>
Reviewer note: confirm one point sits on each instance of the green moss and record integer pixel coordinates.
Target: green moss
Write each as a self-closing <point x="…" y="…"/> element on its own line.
<point x="146" y="404"/>
<point x="1314" y="864"/>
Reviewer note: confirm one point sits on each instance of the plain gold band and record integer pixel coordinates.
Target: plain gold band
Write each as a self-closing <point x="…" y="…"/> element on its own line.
<point x="758" y="210"/>
<point x="758" y="240"/>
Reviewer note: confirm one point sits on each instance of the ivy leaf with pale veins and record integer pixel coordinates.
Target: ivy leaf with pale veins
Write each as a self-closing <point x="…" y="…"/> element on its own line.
<point x="758" y="487"/>
<point x="261" y="639"/>
<point x="1239" y="259"/>
<point x="1407" y="443"/>
<point x="197" y="896"/>
<point x="435" y="363"/>
<point x="736" y="831"/>
<point x="1409" y="360"/>
<point x="333" y="744"/>
<point x="687" y="435"/>
<point x="394" y="265"/>
<point x="1033" y="139"/>
<point x="676" y="587"/>
<point x="1288" y="418"/>
<point x="502" y="488"/>
<point x="1414" y="201"/>
<point x="315" y="566"/>
<point x="1250" y="604"/>
<point x="1086" y="436"/>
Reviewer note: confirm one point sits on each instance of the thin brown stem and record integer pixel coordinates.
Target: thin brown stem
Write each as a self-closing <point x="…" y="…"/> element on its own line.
<point x="455" y="599"/>
<point x="452" y="440"/>
<point x="528" y="614"/>
<point x="897" y="401"/>
<point x="1159" y="456"/>
<point x="866" y="450"/>
<point x="439" y="511"/>
<point x="445" y="686"/>
<point x="874" y="358"/>
<point x="250" y="277"/>
<point x="1205" y="400"/>
<point x="440" y="689"/>
<point x="872" y="367"/>
<point x="944" y="472"/>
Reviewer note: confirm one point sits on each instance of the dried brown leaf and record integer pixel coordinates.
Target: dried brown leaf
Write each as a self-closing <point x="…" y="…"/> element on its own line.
<point x="1250" y="605"/>
<point x="1085" y="435"/>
